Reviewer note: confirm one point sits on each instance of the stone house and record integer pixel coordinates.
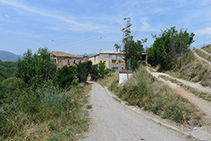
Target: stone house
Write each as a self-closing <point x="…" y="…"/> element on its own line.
<point x="62" y="58"/>
<point x="112" y="59"/>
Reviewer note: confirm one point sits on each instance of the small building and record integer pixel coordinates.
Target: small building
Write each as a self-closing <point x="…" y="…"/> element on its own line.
<point x="62" y="58"/>
<point x="112" y="59"/>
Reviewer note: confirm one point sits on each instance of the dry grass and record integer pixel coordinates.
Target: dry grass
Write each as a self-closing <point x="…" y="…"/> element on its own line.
<point x="194" y="70"/>
<point x="203" y="55"/>
<point x="107" y="81"/>
<point x="207" y="48"/>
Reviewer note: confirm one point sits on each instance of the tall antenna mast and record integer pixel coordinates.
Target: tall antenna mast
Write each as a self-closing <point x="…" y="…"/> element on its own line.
<point x="126" y="27"/>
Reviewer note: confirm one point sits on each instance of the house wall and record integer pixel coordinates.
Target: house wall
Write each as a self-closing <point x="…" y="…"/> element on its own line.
<point x="61" y="61"/>
<point x="113" y="60"/>
<point x="94" y="59"/>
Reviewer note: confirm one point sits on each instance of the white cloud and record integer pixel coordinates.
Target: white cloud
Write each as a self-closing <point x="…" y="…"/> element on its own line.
<point x="6" y="16"/>
<point x="72" y="24"/>
<point x="205" y="31"/>
<point x="146" y="26"/>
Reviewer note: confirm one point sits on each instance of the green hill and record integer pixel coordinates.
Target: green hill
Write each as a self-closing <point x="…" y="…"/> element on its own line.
<point x="8" y="56"/>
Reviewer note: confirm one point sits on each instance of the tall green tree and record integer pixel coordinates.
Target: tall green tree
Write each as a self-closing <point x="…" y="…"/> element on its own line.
<point x="168" y="46"/>
<point x="35" y="69"/>
<point x="132" y="51"/>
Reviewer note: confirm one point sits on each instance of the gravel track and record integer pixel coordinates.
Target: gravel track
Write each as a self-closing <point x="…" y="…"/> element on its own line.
<point x="205" y="52"/>
<point x="113" y="121"/>
<point x="200" y="57"/>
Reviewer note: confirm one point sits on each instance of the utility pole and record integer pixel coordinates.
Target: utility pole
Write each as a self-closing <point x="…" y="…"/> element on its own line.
<point x="126" y="34"/>
<point x="127" y="26"/>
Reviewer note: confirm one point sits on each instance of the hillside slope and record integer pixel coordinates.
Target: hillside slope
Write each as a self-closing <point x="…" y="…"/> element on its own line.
<point x="8" y="56"/>
<point x="193" y="69"/>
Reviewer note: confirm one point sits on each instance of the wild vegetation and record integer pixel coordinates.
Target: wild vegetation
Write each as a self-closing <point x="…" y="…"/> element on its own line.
<point x="193" y="69"/>
<point x="170" y="51"/>
<point x="7" y="69"/>
<point x="168" y="47"/>
<point x="203" y="55"/>
<point x="149" y="94"/>
<point x="207" y="48"/>
<point x="39" y="102"/>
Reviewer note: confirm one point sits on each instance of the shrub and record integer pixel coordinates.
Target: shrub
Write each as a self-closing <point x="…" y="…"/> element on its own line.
<point x="65" y="76"/>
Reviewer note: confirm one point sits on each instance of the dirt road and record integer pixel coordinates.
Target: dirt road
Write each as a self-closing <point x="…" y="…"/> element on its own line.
<point x="113" y="121"/>
<point x="200" y="57"/>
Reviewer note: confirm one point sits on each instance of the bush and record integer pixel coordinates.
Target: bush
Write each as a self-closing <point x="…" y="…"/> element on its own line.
<point x="83" y="70"/>
<point x="65" y="76"/>
<point x="47" y="104"/>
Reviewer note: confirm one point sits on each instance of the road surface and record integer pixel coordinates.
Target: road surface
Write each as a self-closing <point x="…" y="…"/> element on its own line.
<point x="113" y="121"/>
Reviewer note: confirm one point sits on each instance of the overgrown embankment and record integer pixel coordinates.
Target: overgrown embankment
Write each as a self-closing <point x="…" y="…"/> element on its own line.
<point x="146" y="92"/>
<point x="207" y="48"/>
<point x="193" y="69"/>
<point x="203" y="54"/>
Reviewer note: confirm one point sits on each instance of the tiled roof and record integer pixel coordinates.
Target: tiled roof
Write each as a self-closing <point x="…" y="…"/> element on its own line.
<point x="64" y="54"/>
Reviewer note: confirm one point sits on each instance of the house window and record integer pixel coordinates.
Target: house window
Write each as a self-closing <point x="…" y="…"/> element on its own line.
<point x="104" y="62"/>
<point x="113" y="62"/>
<point x="55" y="60"/>
<point x="74" y="62"/>
<point x="122" y="63"/>
<point x="68" y="62"/>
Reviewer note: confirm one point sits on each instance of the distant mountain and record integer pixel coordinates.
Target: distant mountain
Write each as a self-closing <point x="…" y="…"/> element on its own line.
<point x="8" y="56"/>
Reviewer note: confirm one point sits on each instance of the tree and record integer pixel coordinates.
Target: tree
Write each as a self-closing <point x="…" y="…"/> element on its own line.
<point x="94" y="72"/>
<point x="83" y="70"/>
<point x="117" y="46"/>
<point x="101" y="68"/>
<point x="132" y="51"/>
<point x="65" y="76"/>
<point x="35" y="69"/>
<point x="168" y="46"/>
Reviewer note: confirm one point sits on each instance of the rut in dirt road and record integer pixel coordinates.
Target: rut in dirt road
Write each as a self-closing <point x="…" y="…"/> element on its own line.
<point x="112" y="120"/>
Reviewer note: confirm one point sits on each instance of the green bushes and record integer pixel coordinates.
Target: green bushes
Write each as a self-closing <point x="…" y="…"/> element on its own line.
<point x="40" y="103"/>
<point x="65" y="76"/>
<point x="35" y="69"/>
<point x="49" y="105"/>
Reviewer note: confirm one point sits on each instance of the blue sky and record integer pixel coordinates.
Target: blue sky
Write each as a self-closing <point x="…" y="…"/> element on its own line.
<point x="86" y="26"/>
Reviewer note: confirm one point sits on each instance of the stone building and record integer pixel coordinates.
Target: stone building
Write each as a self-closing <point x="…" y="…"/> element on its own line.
<point x="62" y="58"/>
<point x="112" y="59"/>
